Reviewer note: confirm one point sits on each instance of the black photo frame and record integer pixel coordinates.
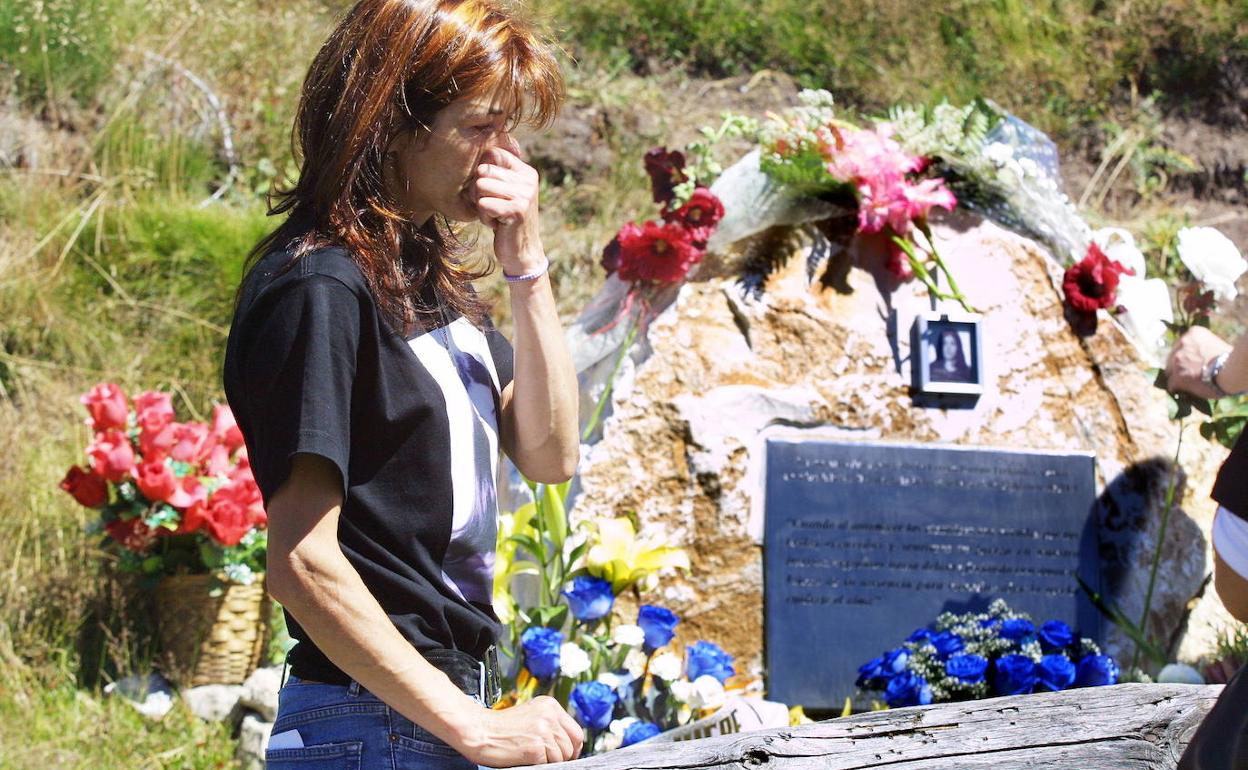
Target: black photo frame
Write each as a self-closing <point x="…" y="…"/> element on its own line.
<point x="947" y="359"/>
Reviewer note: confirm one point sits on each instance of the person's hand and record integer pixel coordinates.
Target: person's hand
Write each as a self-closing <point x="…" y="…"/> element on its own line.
<point x="506" y="190"/>
<point x="1188" y="359"/>
<point x="531" y="733"/>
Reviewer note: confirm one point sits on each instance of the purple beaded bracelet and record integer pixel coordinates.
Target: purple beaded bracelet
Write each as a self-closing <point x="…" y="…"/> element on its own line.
<point x="533" y="276"/>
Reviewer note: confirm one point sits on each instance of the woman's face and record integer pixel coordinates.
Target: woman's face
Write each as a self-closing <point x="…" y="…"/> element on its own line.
<point x="432" y="172"/>
<point x="948" y="347"/>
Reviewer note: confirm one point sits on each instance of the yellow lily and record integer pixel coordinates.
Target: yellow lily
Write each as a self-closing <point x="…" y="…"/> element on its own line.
<point x="505" y="565"/>
<point x="618" y="556"/>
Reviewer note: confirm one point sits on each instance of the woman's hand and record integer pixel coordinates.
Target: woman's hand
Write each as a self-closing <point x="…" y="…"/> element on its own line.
<point x="532" y="733"/>
<point x="506" y="190"/>
<point x="1191" y="354"/>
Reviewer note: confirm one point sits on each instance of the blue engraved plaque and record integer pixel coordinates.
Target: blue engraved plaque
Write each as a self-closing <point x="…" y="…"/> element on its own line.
<point x="865" y="542"/>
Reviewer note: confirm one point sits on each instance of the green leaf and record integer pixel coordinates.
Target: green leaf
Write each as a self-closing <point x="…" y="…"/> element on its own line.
<point x="152" y="564"/>
<point x="1115" y="616"/>
<point x="554" y="517"/>
<point x="529" y="544"/>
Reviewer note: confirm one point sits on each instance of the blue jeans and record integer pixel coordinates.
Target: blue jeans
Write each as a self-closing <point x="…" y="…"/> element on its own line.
<point x="349" y="728"/>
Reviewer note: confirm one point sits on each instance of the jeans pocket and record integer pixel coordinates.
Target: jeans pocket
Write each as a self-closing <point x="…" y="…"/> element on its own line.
<point x="427" y="753"/>
<point x="324" y="756"/>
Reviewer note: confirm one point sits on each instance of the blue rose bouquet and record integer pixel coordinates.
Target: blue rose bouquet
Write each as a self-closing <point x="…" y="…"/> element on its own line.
<point x="978" y="655"/>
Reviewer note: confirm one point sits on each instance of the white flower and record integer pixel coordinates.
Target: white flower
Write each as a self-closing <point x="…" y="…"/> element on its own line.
<point x="610" y="680"/>
<point x="635" y="663"/>
<point x="573" y="661"/>
<point x="607" y="741"/>
<point x="618" y="726"/>
<point x="999" y="153"/>
<point x="240" y="574"/>
<point x="682" y="690"/>
<point x="1212" y="258"/>
<point x="1119" y="246"/>
<point x="666" y="666"/>
<point x="628" y="635"/>
<point x="1147" y="306"/>
<point x="708" y="693"/>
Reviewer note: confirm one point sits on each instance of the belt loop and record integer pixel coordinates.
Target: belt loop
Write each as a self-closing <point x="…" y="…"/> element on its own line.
<point x="285" y="669"/>
<point x="481" y="688"/>
<point x="353" y="689"/>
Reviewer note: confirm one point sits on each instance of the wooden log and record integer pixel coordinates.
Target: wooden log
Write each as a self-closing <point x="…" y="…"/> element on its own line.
<point x="1123" y="727"/>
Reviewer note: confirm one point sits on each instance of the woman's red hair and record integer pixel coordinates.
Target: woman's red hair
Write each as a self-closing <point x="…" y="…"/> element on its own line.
<point x="388" y="68"/>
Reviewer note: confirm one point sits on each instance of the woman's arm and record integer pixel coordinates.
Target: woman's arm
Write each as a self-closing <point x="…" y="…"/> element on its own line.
<point x="1193" y="353"/>
<point x="539" y="407"/>
<point x="310" y="576"/>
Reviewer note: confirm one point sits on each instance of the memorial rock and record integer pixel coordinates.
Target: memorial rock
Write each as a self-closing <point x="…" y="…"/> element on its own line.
<point x="813" y="342"/>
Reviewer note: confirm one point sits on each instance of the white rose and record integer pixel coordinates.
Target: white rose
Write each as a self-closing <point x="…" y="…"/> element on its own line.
<point x="682" y="691"/>
<point x="1147" y="305"/>
<point x="666" y="666"/>
<point x="573" y="661"/>
<point x="618" y="726"/>
<point x="708" y="693"/>
<point x="607" y="741"/>
<point x="1119" y="246"/>
<point x="628" y="635"/>
<point x="1212" y="258"/>
<point x="610" y="680"/>
<point x="635" y="663"/>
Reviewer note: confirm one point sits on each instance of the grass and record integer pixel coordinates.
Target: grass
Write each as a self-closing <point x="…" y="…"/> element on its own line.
<point x="112" y="269"/>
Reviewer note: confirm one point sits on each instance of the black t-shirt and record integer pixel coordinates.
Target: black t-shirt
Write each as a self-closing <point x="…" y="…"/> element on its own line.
<point x="1230" y="489"/>
<point x="312" y="365"/>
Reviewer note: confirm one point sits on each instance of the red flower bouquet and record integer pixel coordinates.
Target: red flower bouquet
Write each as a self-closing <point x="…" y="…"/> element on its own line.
<point x="174" y="497"/>
<point x="1092" y="284"/>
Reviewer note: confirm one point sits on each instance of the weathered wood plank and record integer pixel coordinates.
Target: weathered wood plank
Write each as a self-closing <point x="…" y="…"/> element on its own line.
<point x="1124" y="727"/>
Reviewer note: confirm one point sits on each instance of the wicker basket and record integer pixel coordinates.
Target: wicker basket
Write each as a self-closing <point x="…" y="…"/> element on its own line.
<point x="210" y="639"/>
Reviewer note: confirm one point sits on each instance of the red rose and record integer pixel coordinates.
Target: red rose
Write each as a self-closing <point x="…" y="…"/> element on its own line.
<point x="131" y="533"/>
<point x="218" y="462"/>
<point x="85" y="487"/>
<point x="155" y="480"/>
<point x="666" y="170"/>
<point x="154" y="407"/>
<point x="700" y="215"/>
<point x="190" y="442"/>
<point x="232" y="511"/>
<point x="107" y="405"/>
<point x="1092" y="284"/>
<point x="225" y="427"/>
<point x="111" y="455"/>
<point x="155" y="440"/>
<point x="656" y="252"/>
<point x="188" y="492"/>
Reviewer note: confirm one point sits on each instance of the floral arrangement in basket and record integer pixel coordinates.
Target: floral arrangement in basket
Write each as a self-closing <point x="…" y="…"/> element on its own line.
<point x="624" y="682"/>
<point x="978" y="655"/>
<point x="173" y="497"/>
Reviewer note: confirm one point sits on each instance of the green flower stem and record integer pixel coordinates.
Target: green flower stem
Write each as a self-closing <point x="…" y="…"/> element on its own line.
<point x="634" y="325"/>
<point x="942" y="267"/>
<point x="1171" y="488"/>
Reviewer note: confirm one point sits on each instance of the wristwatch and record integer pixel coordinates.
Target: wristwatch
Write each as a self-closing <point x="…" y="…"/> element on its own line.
<point x="1210" y="374"/>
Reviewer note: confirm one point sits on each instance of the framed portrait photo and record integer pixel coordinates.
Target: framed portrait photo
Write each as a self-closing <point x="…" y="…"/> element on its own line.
<point x="946" y="354"/>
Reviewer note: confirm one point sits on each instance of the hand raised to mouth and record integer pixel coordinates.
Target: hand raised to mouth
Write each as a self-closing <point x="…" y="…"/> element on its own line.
<point x="506" y="191"/>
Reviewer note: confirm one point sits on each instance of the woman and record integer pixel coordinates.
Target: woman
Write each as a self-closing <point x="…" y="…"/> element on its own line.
<point x="949" y="364"/>
<point x="374" y="395"/>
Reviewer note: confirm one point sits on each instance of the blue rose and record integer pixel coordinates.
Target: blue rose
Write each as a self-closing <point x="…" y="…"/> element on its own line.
<point x="593" y="704"/>
<point x="907" y="689"/>
<point x="1017" y="629"/>
<point x="895" y="661"/>
<point x="1096" y="670"/>
<point x="705" y="658"/>
<point x="1055" y="635"/>
<point x="1055" y="672"/>
<point x="638" y="732"/>
<point x="541" y="651"/>
<point x="919" y="636"/>
<point x="946" y="644"/>
<point x="967" y="668"/>
<point x="871" y="674"/>
<point x="990" y="623"/>
<point x="1015" y="675"/>
<point x="590" y="598"/>
<point x="659" y="625"/>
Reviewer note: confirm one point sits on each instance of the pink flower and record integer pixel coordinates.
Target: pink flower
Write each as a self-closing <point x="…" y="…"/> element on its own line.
<point x="87" y="488"/>
<point x="869" y="156"/>
<point x="225" y="427"/>
<point x="928" y="194"/>
<point x="153" y="408"/>
<point x="155" y="441"/>
<point x="155" y="480"/>
<point x="107" y="405"/>
<point x="232" y="511"/>
<point x="218" y="462"/>
<point x="190" y="442"/>
<point x="188" y="493"/>
<point x="111" y="455"/>
<point x="663" y="253"/>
